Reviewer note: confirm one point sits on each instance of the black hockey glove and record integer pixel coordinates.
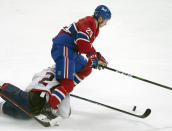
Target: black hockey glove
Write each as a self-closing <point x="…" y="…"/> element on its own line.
<point x="37" y="103"/>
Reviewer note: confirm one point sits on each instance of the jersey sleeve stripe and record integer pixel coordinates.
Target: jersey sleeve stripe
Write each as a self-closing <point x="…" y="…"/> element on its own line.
<point x="82" y="36"/>
<point x="71" y="30"/>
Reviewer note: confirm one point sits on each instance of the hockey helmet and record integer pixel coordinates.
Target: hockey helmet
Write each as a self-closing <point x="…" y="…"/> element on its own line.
<point x="102" y="11"/>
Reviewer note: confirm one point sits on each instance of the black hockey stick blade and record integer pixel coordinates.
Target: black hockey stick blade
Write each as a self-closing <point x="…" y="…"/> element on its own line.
<point x="146" y="114"/>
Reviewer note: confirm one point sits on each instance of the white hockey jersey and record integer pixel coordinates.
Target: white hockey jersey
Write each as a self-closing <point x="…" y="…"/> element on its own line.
<point x="46" y="80"/>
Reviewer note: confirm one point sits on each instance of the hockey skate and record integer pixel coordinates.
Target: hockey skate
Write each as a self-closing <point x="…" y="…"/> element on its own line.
<point x="53" y="117"/>
<point x="49" y="115"/>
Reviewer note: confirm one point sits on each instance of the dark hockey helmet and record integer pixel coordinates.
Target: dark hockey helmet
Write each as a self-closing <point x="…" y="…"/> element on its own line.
<point x="102" y="11"/>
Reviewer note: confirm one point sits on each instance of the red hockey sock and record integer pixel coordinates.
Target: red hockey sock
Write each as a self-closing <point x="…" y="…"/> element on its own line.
<point x="68" y="84"/>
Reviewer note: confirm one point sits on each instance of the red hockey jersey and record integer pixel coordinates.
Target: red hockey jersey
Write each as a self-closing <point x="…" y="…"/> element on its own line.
<point x="84" y="33"/>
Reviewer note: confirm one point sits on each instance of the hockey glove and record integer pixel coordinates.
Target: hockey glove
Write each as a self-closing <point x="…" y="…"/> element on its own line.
<point x="48" y="111"/>
<point x="96" y="60"/>
<point x="102" y="61"/>
<point x="92" y="60"/>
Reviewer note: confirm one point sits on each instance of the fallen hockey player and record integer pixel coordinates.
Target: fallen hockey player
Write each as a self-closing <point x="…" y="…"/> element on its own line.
<point x="35" y="98"/>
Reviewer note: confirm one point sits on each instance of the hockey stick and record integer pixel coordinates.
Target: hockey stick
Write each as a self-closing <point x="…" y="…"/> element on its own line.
<point x="144" y="115"/>
<point x="138" y="78"/>
<point x="45" y="124"/>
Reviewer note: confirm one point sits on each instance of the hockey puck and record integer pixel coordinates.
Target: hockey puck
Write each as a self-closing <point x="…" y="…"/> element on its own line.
<point x="134" y="108"/>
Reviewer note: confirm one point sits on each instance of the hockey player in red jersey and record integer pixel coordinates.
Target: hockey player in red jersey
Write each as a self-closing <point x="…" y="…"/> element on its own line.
<point x="69" y="44"/>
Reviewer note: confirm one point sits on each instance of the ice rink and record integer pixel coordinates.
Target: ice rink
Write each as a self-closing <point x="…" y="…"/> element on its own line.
<point x="137" y="40"/>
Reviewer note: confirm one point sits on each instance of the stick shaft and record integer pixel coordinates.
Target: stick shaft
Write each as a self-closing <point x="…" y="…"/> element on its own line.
<point x="148" y="111"/>
<point x="138" y="78"/>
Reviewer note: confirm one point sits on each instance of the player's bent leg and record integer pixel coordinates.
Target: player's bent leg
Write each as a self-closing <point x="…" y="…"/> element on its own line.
<point x="68" y="85"/>
<point x="82" y="69"/>
<point x="13" y="111"/>
<point x="19" y="97"/>
<point x="65" y="69"/>
<point x="60" y="92"/>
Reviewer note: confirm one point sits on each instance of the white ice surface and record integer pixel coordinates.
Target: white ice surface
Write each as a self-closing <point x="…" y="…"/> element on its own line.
<point x="137" y="40"/>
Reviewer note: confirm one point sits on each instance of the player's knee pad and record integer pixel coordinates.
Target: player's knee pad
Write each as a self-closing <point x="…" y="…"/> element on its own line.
<point x="68" y="84"/>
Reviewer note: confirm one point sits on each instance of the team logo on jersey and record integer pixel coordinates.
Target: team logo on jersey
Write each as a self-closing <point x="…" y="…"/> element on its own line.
<point x="59" y="73"/>
<point x="104" y="9"/>
<point x="89" y="32"/>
